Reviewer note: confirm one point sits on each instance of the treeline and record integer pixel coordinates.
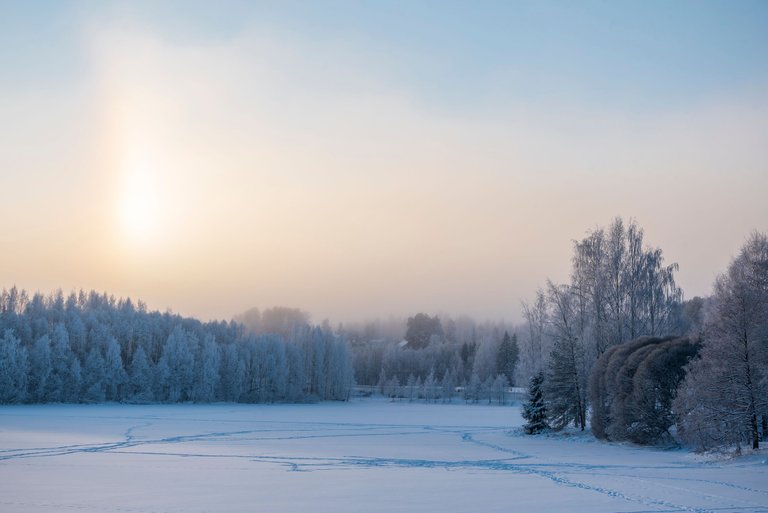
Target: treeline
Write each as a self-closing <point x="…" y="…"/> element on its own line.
<point x="437" y="354"/>
<point x="90" y="347"/>
<point x="618" y="345"/>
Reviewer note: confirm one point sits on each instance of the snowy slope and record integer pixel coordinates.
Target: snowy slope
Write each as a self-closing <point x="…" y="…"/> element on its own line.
<point x="364" y="456"/>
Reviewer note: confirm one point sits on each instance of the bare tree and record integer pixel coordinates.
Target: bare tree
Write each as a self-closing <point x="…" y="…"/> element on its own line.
<point x="535" y="315"/>
<point x="566" y="384"/>
<point x="724" y="399"/>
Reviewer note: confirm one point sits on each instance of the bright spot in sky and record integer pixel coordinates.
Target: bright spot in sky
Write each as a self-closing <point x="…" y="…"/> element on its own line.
<point x="139" y="205"/>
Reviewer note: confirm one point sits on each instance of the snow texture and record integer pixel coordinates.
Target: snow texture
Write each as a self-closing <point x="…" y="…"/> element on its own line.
<point x="369" y="455"/>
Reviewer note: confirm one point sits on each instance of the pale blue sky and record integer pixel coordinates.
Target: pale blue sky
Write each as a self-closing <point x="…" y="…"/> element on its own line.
<point x="630" y="55"/>
<point x="332" y="155"/>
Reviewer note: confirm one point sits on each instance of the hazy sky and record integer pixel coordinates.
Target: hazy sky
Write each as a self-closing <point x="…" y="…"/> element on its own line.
<point x="361" y="159"/>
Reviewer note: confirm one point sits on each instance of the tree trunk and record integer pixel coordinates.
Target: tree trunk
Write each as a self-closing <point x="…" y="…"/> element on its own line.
<point x="755" y="434"/>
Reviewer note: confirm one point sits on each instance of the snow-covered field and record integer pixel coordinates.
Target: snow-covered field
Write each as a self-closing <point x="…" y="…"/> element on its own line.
<point x="364" y="456"/>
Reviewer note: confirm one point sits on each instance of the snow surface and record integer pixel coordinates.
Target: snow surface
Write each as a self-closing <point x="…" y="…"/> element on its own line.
<point x="364" y="456"/>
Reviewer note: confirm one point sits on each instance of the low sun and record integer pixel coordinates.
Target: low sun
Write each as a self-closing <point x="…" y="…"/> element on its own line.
<point x="139" y="208"/>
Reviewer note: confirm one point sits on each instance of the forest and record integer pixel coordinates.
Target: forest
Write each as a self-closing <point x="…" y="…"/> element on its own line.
<point x="617" y="349"/>
<point x="90" y="347"/>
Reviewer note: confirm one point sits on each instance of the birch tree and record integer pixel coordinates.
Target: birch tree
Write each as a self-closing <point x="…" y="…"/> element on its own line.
<point x="724" y="399"/>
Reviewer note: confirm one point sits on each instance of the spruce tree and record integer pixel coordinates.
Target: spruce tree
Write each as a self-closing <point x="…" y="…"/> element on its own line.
<point x="535" y="411"/>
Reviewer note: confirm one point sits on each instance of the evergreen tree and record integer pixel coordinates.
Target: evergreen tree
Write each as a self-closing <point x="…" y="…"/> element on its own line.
<point x="509" y="353"/>
<point x="535" y="410"/>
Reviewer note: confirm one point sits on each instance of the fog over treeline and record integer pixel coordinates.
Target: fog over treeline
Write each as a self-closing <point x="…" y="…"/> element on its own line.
<point x="617" y="348"/>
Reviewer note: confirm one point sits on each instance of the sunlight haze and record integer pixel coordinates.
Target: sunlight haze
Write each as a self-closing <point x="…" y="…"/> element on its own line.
<point x="367" y="159"/>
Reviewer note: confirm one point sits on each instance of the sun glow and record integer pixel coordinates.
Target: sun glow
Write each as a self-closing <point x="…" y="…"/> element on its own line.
<point x="139" y="203"/>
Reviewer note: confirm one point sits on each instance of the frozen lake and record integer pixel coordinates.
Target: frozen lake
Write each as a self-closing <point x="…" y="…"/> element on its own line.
<point x="364" y="456"/>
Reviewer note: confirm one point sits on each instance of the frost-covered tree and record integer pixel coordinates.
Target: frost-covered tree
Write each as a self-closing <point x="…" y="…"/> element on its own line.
<point x="61" y="364"/>
<point x="620" y="289"/>
<point x="499" y="388"/>
<point x="430" y="388"/>
<point x="115" y="376"/>
<point x="624" y="287"/>
<point x="296" y="377"/>
<point x="448" y="386"/>
<point x="392" y="388"/>
<point x="94" y="377"/>
<point x="343" y="373"/>
<point x="74" y="381"/>
<point x="473" y="390"/>
<point x="140" y="379"/>
<point x="175" y="369"/>
<point x="207" y="371"/>
<point x="39" y="369"/>
<point x="535" y="348"/>
<point x="232" y="374"/>
<point x="13" y="369"/>
<point x="485" y="362"/>
<point x="535" y="410"/>
<point x="566" y="386"/>
<point x="724" y="399"/>
<point x="411" y="387"/>
<point x="78" y="347"/>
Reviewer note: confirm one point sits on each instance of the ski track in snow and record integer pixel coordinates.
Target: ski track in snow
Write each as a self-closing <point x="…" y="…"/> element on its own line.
<point x="511" y="460"/>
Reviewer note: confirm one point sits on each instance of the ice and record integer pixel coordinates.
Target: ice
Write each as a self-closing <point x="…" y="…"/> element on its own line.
<point x="362" y="456"/>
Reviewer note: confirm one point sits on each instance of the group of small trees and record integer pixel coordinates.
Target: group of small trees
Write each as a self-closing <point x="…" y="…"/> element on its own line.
<point x="93" y="348"/>
<point x="447" y="349"/>
<point x="619" y="289"/>
<point x="433" y="390"/>
<point x="711" y="385"/>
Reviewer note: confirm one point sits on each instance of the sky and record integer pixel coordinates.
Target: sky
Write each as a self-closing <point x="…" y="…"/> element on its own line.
<point x="370" y="158"/>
